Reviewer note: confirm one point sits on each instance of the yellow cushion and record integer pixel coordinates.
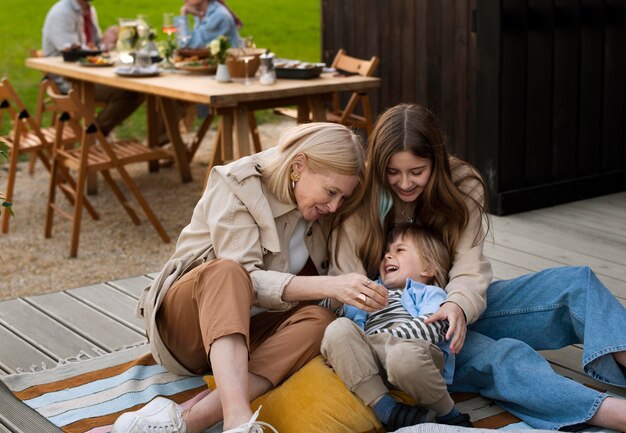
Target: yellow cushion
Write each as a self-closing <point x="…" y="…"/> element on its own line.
<point x="314" y="400"/>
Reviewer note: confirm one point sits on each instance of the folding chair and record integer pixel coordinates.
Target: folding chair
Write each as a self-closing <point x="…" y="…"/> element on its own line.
<point x="346" y="115"/>
<point x="95" y="154"/>
<point x="25" y="137"/>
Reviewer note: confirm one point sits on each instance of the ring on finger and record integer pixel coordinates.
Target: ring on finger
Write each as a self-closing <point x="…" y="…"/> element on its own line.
<point x="367" y="282"/>
<point x="362" y="297"/>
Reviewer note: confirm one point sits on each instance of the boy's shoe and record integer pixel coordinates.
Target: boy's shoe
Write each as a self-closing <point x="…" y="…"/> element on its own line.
<point x="160" y="415"/>
<point x="252" y="426"/>
<point x="461" y="420"/>
<point x="404" y="415"/>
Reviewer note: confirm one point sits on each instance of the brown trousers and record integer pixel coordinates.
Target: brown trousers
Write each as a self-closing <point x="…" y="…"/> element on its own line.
<point x="119" y="104"/>
<point x="214" y="300"/>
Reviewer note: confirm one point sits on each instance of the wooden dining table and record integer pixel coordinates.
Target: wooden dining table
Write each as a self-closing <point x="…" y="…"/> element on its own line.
<point x="232" y="102"/>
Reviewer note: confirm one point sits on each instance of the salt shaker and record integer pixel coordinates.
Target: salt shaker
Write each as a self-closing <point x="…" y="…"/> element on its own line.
<point x="267" y="73"/>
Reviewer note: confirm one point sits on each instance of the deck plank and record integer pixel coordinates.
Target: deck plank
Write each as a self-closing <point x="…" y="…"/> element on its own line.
<point x="18" y="353"/>
<point x="604" y="266"/>
<point x="19" y="418"/>
<point x="133" y="286"/>
<point x="116" y="304"/>
<point x="534" y="263"/>
<point x="86" y="321"/>
<point x="44" y="333"/>
<point x="566" y="235"/>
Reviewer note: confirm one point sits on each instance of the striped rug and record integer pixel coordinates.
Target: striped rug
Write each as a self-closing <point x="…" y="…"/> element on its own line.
<point x="88" y="396"/>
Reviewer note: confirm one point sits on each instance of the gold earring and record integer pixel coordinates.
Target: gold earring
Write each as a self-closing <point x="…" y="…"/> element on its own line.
<point x="295" y="177"/>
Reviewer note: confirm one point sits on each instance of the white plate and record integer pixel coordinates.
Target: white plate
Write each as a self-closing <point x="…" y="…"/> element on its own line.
<point x="132" y="71"/>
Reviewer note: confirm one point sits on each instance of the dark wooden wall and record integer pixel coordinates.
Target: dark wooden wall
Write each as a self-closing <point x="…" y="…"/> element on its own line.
<point x="551" y="100"/>
<point x="532" y="92"/>
<point x="426" y="50"/>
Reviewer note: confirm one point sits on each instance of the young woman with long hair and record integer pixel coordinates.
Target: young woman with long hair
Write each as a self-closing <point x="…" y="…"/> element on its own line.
<point x="412" y="178"/>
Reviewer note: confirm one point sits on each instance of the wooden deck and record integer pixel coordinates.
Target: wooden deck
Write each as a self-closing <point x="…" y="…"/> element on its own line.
<point x="89" y="321"/>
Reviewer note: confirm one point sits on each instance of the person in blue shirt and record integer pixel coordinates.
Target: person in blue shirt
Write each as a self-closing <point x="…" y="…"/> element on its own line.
<point x="393" y="346"/>
<point x="212" y="19"/>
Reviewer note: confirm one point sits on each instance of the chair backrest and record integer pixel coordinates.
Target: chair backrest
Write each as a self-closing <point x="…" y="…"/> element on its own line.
<point x="346" y="115"/>
<point x="352" y="65"/>
<point x="81" y="120"/>
<point x="12" y="105"/>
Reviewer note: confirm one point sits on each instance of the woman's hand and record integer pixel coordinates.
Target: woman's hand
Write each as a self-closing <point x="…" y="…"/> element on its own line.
<point x="361" y="292"/>
<point x="458" y="324"/>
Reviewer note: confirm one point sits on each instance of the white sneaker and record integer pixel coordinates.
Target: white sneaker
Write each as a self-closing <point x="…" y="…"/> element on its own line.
<point x="252" y="426"/>
<point x="159" y="416"/>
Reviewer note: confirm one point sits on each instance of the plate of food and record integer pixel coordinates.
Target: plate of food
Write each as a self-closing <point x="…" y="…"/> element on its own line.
<point x="198" y="53"/>
<point x="202" y="66"/>
<point x="296" y="69"/>
<point x="96" y="61"/>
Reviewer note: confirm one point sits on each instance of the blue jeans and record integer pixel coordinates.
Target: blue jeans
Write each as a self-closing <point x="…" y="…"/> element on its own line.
<point x="545" y="310"/>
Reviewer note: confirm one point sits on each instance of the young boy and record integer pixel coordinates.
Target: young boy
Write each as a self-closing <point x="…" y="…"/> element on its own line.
<point x="394" y="342"/>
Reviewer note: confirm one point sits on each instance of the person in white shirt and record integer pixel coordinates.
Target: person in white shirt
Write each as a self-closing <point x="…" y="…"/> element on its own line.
<point x="73" y="24"/>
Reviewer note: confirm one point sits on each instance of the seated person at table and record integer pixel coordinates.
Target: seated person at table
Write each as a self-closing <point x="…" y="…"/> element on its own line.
<point x="73" y="24"/>
<point x="212" y="19"/>
<point x="413" y="355"/>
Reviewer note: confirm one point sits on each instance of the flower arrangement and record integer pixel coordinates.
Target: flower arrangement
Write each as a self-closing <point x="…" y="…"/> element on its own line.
<point x="219" y="48"/>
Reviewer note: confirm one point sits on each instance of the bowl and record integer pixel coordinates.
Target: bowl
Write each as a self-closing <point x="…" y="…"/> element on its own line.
<point x="76" y="55"/>
<point x="237" y="67"/>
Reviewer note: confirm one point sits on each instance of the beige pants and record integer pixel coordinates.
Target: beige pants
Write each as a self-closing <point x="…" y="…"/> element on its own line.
<point x="411" y="365"/>
<point x="214" y="300"/>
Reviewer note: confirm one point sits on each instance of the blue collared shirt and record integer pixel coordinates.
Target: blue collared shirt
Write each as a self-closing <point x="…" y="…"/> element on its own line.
<point x="217" y="21"/>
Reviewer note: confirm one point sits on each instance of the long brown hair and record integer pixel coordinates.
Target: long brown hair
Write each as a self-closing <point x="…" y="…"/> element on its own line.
<point x="441" y="208"/>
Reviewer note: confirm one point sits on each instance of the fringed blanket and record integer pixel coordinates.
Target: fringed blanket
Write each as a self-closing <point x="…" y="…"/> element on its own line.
<point x="88" y="396"/>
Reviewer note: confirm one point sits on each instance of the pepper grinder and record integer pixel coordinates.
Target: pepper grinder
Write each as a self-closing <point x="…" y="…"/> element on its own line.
<point x="267" y="73"/>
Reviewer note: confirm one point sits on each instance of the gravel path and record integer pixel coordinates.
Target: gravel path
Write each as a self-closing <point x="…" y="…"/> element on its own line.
<point x="109" y="249"/>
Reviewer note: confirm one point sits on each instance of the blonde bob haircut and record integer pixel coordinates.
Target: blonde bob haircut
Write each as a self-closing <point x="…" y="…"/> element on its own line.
<point x="328" y="147"/>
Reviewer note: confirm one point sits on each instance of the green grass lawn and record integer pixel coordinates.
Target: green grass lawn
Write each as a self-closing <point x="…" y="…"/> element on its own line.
<point x="289" y="28"/>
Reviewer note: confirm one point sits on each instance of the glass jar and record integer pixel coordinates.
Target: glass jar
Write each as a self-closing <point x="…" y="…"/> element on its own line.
<point x="127" y="40"/>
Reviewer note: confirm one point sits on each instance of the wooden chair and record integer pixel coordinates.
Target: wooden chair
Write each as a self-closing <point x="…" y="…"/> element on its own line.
<point x="25" y="137"/>
<point x="96" y="154"/>
<point x="346" y="115"/>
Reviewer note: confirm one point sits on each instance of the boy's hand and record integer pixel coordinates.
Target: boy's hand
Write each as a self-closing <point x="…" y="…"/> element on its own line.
<point x="458" y="325"/>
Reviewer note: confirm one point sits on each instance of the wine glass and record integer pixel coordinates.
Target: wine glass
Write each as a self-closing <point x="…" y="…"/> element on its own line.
<point x="246" y="59"/>
<point x="168" y="26"/>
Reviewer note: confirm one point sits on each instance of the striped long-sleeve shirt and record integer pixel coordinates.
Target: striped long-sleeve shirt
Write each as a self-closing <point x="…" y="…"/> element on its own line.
<point x="396" y="320"/>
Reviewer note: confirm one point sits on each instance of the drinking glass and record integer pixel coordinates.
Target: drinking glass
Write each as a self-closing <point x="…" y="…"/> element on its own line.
<point x="168" y="26"/>
<point x="182" y="34"/>
<point x="246" y="59"/>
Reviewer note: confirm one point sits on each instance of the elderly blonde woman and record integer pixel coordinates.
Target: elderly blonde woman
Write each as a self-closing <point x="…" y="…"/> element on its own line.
<point x="264" y="239"/>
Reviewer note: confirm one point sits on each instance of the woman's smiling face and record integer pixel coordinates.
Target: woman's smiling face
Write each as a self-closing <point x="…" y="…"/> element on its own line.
<point x="408" y="174"/>
<point x="320" y="193"/>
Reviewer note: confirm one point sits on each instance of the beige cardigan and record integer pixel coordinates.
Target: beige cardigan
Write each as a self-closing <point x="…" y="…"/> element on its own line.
<point x="238" y="219"/>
